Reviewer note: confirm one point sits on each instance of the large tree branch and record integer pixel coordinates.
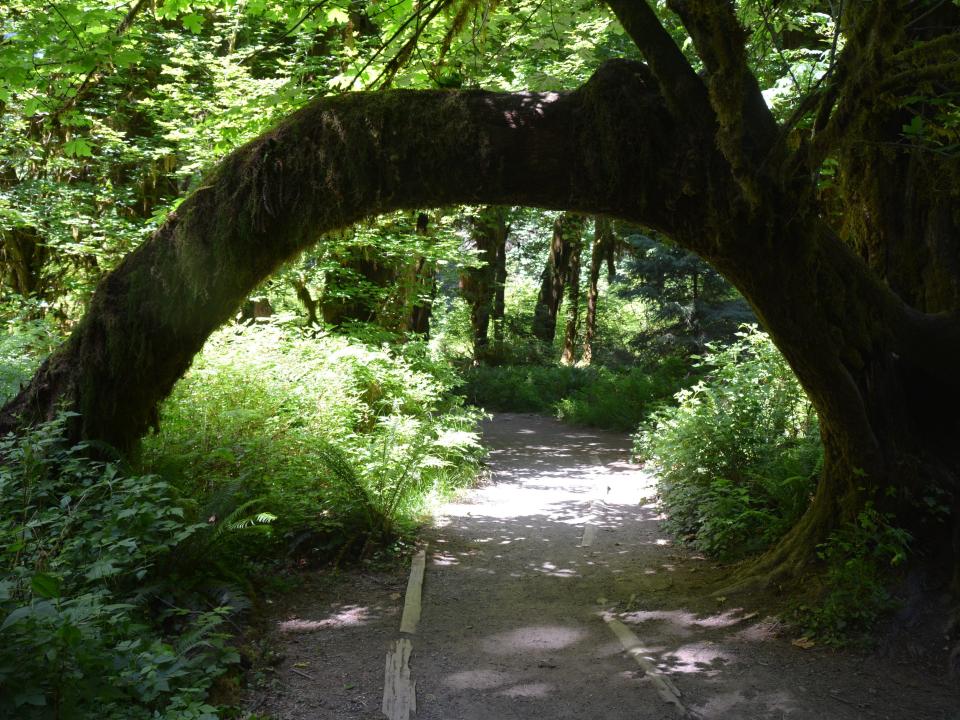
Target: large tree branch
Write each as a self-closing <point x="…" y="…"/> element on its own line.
<point x="748" y="131"/>
<point x="610" y="147"/>
<point x="680" y="84"/>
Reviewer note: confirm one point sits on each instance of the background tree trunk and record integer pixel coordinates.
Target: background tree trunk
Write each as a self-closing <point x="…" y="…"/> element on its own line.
<point x="566" y="234"/>
<point x="602" y="251"/>
<point x="309" y="303"/>
<point x="424" y="286"/>
<point x="499" y="296"/>
<point x="573" y="303"/>
<point x="22" y="257"/>
<point x="479" y="284"/>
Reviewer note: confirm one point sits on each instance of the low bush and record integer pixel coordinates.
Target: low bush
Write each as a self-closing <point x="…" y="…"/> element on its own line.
<point x="859" y="558"/>
<point x="91" y="624"/>
<point x="616" y="399"/>
<point x="292" y="444"/>
<point x="739" y="454"/>
<point x="275" y="446"/>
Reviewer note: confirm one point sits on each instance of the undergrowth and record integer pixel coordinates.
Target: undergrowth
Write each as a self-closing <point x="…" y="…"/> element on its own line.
<point x="277" y="448"/>
<point x="739" y="454"/>
<point x="94" y="625"/>
<point x="617" y="399"/>
<point x="860" y="558"/>
<point x="312" y="446"/>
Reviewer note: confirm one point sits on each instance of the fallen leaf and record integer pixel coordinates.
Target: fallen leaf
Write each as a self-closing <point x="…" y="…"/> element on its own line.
<point x="804" y="643"/>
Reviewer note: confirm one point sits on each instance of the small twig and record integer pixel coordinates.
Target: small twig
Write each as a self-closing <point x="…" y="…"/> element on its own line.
<point x="927" y="13"/>
<point x="301" y="673"/>
<point x="845" y="701"/>
<point x="837" y="25"/>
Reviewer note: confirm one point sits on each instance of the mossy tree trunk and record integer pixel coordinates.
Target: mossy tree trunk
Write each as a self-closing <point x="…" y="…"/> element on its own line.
<point x="567" y="230"/>
<point x="478" y="285"/>
<point x="700" y="160"/>
<point x="602" y="250"/>
<point x="573" y="303"/>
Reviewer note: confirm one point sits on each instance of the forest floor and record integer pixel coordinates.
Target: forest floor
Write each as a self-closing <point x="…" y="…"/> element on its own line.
<point x="552" y="592"/>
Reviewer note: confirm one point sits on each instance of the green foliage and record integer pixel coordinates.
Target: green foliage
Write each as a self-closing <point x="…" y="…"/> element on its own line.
<point x="85" y="548"/>
<point x="739" y="454"/>
<point x="290" y="443"/>
<point x="622" y="399"/>
<point x="116" y="585"/>
<point x="860" y="557"/>
<point x="27" y="336"/>
<point x="691" y="303"/>
<point x="597" y="396"/>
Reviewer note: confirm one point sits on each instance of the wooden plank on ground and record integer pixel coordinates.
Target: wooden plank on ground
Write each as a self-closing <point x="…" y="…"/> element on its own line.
<point x="589" y="535"/>
<point x="411" y="603"/>
<point x="663" y="684"/>
<point x="399" y="692"/>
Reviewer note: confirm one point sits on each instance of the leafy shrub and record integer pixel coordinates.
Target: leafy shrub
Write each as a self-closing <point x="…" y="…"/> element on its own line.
<point x="594" y="395"/>
<point x="116" y="584"/>
<point x="622" y="399"/>
<point x="24" y="341"/>
<point x="287" y="442"/>
<point x="859" y="556"/>
<point x="523" y="388"/>
<point x="83" y="546"/>
<point x="740" y="452"/>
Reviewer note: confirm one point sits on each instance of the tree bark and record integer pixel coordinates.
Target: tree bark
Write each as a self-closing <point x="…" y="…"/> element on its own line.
<point x="479" y="284"/>
<point x="602" y="251"/>
<point x="566" y="235"/>
<point x="573" y="303"/>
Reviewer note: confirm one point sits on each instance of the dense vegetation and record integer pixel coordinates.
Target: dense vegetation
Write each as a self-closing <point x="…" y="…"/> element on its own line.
<point x="258" y="378"/>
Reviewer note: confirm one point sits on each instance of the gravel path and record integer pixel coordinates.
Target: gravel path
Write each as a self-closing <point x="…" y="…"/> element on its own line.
<point x="551" y="592"/>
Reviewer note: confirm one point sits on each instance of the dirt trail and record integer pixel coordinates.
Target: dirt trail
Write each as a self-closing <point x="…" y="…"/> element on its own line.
<point x="525" y="580"/>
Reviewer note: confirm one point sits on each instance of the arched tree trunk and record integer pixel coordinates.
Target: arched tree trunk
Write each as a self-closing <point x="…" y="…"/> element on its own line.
<point x="327" y="166"/>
